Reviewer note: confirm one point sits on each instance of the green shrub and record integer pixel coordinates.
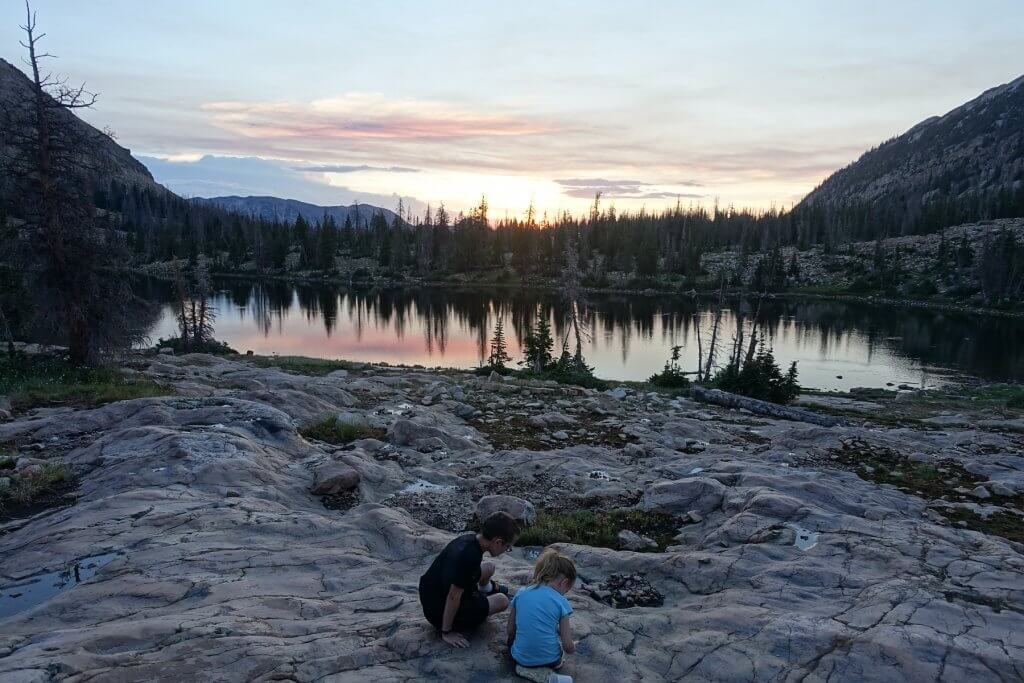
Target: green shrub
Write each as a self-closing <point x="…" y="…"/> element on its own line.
<point x="672" y="377"/>
<point x="300" y="365"/>
<point x="760" y="378"/>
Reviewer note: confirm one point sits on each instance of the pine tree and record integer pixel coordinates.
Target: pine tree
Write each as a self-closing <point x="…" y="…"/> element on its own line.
<point x="538" y="346"/>
<point x="499" y="349"/>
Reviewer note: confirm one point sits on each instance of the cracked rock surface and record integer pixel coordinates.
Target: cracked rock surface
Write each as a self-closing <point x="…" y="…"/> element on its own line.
<point x="221" y="564"/>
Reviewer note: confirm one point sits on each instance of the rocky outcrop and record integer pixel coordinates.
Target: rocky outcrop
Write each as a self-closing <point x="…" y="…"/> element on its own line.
<point x="197" y="549"/>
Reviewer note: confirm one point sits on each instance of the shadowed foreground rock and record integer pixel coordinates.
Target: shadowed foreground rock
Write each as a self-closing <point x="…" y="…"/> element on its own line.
<point x="223" y="565"/>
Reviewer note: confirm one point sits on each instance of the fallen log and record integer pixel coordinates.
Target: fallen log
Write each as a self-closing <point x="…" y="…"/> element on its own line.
<point x="727" y="400"/>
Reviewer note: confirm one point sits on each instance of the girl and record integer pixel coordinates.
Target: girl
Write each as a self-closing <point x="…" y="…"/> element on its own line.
<point x="539" y="632"/>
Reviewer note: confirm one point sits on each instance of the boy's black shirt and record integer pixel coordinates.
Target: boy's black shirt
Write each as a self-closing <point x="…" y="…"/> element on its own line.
<point x="457" y="565"/>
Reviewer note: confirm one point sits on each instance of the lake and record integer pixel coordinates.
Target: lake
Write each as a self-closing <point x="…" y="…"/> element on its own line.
<point x="837" y="345"/>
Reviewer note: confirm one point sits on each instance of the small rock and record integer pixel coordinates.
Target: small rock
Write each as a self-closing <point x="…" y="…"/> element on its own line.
<point x="165" y="351"/>
<point x="629" y="540"/>
<point x="1000" y="489"/>
<point x="560" y="435"/>
<point x="980" y="492"/>
<point x="618" y="392"/>
<point x="695" y="516"/>
<point x="495" y="377"/>
<point x="334" y="477"/>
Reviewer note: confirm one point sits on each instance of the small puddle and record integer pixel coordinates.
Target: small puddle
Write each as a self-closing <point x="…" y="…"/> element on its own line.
<point x="424" y="486"/>
<point x="37" y="589"/>
<point x="805" y="538"/>
<point x="696" y="470"/>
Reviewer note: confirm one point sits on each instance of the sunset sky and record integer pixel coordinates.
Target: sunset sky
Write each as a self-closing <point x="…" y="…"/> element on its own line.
<point x="750" y="102"/>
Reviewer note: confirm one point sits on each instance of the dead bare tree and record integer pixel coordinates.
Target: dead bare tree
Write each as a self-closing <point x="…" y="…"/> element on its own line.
<point x="69" y="258"/>
<point x="571" y="283"/>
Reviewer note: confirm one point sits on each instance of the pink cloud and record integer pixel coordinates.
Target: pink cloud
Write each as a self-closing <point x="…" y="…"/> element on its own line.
<point x="361" y="116"/>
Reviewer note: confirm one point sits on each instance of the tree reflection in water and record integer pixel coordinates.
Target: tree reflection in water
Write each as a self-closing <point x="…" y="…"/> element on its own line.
<point x="630" y="336"/>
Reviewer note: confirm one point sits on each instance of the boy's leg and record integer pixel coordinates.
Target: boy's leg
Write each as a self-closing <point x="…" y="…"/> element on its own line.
<point x="496" y="603"/>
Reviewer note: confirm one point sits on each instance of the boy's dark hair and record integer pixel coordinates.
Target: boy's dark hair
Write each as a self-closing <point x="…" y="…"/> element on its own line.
<point x="500" y="525"/>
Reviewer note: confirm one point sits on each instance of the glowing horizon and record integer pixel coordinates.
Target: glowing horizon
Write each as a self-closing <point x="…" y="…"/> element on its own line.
<point x="749" y="104"/>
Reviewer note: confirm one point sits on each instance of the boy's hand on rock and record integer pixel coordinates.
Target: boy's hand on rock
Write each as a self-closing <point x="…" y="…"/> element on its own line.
<point x="455" y="639"/>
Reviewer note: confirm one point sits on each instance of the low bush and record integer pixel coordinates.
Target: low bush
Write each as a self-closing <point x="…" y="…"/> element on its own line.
<point x="211" y="346"/>
<point x="672" y="377"/>
<point x="759" y="377"/>
<point x="334" y="431"/>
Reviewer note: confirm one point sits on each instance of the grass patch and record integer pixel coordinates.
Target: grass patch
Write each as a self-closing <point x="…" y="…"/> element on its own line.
<point x="599" y="529"/>
<point x="997" y="397"/>
<point x="300" y="365"/>
<point x="332" y="430"/>
<point x="35" y="381"/>
<point x="32" y="492"/>
<point x="937" y="481"/>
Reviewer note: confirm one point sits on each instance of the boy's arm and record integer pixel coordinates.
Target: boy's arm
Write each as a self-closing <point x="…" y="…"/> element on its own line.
<point x="565" y="633"/>
<point x="511" y="626"/>
<point x="451" y="606"/>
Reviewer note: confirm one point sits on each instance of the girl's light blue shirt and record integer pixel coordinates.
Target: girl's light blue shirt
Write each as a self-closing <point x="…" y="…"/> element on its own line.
<point x="539" y="608"/>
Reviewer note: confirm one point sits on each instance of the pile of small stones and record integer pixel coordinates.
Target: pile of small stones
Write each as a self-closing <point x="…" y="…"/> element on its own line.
<point x="625" y="590"/>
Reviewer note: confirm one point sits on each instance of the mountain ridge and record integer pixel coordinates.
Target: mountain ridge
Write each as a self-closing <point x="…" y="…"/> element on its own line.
<point x="977" y="147"/>
<point x="279" y="208"/>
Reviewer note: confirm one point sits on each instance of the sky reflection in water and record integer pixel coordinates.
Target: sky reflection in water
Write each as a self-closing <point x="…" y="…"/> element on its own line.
<point x="630" y="337"/>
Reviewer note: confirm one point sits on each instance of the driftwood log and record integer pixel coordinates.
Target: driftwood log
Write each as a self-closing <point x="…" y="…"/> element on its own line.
<point x="727" y="400"/>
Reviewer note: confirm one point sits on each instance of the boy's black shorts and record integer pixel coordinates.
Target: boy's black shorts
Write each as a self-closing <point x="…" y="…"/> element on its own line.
<point x="473" y="610"/>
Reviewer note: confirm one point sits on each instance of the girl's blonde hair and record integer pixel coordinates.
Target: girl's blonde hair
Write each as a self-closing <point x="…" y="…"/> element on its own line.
<point x="551" y="564"/>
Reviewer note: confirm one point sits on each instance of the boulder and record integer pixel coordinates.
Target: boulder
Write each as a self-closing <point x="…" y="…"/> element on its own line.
<point x="521" y="510"/>
<point x="629" y="540"/>
<point x="333" y="477"/>
<point x="495" y="376"/>
<point x="618" y="392"/>
<point x="409" y="433"/>
<point x="683" y="495"/>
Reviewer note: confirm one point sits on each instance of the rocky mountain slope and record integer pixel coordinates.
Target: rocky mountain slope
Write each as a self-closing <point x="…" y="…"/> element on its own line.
<point x="275" y="208"/>
<point x="106" y="158"/>
<point x="197" y="548"/>
<point x="978" y="146"/>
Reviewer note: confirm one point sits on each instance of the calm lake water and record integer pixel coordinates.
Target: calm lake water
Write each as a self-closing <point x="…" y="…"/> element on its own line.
<point x="836" y="345"/>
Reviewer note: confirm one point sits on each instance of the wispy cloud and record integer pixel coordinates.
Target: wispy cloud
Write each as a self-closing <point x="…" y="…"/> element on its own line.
<point x="584" y="188"/>
<point x="345" y="168"/>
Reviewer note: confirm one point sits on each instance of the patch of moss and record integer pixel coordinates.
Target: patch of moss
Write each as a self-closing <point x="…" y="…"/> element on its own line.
<point x="300" y="365"/>
<point x="29" y="493"/>
<point x="1001" y="523"/>
<point x="599" y="529"/>
<point x="332" y="430"/>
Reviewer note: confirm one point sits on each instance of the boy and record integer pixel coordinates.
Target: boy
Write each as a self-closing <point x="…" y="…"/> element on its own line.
<point x="457" y="593"/>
